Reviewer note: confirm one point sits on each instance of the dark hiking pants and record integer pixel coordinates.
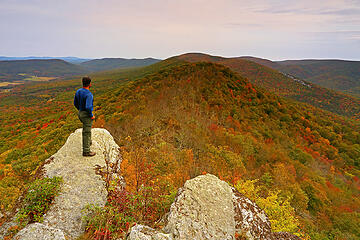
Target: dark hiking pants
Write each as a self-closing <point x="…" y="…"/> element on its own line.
<point x="86" y="120"/>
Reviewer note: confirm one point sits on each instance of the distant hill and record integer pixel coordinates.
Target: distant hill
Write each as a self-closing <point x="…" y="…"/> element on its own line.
<point x="339" y="75"/>
<point x="335" y="74"/>
<point x="19" y="71"/>
<point x="38" y="67"/>
<point x="68" y="59"/>
<point x="284" y="84"/>
<point x="112" y="63"/>
<point x="262" y="61"/>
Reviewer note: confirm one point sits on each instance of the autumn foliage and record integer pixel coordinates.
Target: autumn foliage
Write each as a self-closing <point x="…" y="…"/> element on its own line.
<point x="176" y="120"/>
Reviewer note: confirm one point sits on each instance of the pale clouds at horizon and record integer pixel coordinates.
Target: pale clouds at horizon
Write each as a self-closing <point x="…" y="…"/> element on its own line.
<point x="137" y="28"/>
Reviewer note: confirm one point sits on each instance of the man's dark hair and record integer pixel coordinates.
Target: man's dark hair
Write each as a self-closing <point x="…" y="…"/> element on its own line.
<point x="86" y="81"/>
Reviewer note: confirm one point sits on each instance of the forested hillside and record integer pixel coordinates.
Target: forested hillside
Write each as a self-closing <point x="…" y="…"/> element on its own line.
<point x="175" y="120"/>
<point x="264" y="73"/>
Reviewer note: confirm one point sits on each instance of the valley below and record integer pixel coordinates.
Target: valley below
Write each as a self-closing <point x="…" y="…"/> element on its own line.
<point x="6" y="84"/>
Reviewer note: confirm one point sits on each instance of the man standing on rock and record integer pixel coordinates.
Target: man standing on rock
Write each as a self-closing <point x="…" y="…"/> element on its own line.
<point x="83" y="101"/>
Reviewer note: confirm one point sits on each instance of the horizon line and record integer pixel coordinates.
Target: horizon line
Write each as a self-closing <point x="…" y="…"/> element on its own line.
<point x="215" y="55"/>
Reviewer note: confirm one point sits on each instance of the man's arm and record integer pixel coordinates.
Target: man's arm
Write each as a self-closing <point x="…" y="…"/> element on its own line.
<point x="89" y="105"/>
<point x="76" y="102"/>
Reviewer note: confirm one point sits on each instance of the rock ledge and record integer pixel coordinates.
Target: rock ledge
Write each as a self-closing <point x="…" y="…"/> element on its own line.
<point x="81" y="186"/>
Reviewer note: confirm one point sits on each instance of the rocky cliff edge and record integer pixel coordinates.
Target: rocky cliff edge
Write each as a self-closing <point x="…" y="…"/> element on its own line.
<point x="81" y="186"/>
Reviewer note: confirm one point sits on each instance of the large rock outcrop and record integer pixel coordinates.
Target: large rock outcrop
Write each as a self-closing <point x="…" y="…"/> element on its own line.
<point x="203" y="210"/>
<point x="208" y="208"/>
<point x="81" y="186"/>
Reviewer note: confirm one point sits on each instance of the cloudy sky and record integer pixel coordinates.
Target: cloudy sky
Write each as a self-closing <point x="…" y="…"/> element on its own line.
<point x="274" y="29"/>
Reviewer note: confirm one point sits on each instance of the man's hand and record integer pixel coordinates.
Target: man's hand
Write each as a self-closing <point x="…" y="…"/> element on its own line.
<point x="93" y="117"/>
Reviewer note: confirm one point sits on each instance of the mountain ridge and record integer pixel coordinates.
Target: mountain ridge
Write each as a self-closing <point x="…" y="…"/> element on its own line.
<point x="340" y="75"/>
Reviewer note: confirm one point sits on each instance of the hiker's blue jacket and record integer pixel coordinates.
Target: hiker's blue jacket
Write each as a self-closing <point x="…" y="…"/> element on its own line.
<point x="83" y="100"/>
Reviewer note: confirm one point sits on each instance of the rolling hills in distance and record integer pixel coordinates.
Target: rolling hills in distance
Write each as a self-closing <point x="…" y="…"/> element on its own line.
<point x="180" y="118"/>
<point x="21" y="71"/>
<point x="338" y="75"/>
<point x="67" y="59"/>
<point x="335" y="74"/>
<point x="40" y="67"/>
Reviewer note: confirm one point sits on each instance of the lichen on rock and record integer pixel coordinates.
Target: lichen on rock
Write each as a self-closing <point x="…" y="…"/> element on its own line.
<point x="250" y="219"/>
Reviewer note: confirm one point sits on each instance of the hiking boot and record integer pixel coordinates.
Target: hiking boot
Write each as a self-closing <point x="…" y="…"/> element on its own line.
<point x="89" y="154"/>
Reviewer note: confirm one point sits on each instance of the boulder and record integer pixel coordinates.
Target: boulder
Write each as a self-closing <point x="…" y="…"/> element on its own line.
<point x="208" y="208"/>
<point x="203" y="209"/>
